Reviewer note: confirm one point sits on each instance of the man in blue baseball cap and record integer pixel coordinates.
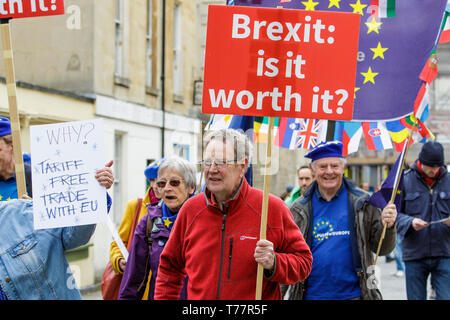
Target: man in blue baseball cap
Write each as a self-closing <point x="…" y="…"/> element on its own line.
<point x="342" y="229"/>
<point x="8" y="186"/>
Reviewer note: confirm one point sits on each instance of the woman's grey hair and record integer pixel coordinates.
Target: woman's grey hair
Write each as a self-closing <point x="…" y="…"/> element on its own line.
<point x="242" y="146"/>
<point x="186" y="169"/>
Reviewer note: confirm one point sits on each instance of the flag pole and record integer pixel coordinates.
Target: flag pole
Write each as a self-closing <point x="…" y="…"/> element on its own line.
<point x="13" y="108"/>
<point x="265" y="205"/>
<point x="395" y="189"/>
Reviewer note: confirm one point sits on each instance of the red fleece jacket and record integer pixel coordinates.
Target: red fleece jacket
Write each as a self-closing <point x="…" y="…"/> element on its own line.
<point x="216" y="249"/>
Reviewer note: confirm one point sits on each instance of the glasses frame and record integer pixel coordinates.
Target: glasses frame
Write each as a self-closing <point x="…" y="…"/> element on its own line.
<point x="221" y="165"/>
<point x="176" y="181"/>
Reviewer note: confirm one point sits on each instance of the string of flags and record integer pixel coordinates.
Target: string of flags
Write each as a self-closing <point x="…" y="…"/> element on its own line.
<point x="295" y="133"/>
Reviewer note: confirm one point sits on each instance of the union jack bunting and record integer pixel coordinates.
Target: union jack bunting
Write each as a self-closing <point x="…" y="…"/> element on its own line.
<point x="309" y="134"/>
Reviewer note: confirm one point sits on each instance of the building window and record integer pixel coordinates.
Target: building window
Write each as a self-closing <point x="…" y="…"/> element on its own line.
<point x="149" y="70"/>
<point x="118" y="151"/>
<point x="120" y="76"/>
<point x="181" y="150"/>
<point x="119" y="38"/>
<point x="177" y="52"/>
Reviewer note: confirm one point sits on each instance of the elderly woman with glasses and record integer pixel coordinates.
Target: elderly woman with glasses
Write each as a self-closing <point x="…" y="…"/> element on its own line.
<point x="176" y="183"/>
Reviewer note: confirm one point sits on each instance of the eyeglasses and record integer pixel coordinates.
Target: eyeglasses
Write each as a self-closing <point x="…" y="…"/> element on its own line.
<point x="220" y="163"/>
<point x="174" y="183"/>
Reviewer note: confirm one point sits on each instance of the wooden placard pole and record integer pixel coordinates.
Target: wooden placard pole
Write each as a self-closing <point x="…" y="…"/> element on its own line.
<point x="265" y="206"/>
<point x="13" y="110"/>
<point x="395" y="189"/>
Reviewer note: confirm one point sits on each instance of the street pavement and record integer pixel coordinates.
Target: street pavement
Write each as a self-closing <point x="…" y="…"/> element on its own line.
<point x="392" y="288"/>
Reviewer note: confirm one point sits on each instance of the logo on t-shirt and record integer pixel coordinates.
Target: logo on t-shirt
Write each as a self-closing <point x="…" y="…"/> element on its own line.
<point x="323" y="229"/>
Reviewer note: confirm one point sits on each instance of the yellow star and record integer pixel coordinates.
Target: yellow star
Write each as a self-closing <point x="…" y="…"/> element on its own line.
<point x="356" y="89"/>
<point x="369" y="76"/>
<point x="378" y="51"/>
<point x="310" y="5"/>
<point x="167" y="222"/>
<point x="358" y="7"/>
<point x="1" y="197"/>
<point x="9" y="199"/>
<point x="334" y="3"/>
<point x="373" y="26"/>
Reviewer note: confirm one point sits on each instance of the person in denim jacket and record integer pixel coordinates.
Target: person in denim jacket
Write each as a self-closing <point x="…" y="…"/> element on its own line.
<point x="426" y="245"/>
<point x="32" y="262"/>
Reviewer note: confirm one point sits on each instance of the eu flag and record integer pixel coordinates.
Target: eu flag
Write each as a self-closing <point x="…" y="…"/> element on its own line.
<point x="382" y="197"/>
<point x="391" y="55"/>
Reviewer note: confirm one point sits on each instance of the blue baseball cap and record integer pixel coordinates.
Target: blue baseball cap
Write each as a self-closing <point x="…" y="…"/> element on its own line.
<point x="151" y="172"/>
<point x="26" y="158"/>
<point x="5" y="127"/>
<point x="326" y="149"/>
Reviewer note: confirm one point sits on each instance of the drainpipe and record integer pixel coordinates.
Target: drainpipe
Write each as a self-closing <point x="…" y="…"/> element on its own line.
<point x="163" y="74"/>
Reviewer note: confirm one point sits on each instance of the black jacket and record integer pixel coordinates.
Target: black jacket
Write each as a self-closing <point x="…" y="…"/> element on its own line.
<point x="428" y="204"/>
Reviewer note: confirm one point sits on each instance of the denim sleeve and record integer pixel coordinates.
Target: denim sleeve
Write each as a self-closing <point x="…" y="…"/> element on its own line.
<point x="74" y="237"/>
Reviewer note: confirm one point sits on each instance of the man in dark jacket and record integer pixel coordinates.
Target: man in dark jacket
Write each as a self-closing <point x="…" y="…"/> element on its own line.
<point x="342" y="230"/>
<point x="426" y="235"/>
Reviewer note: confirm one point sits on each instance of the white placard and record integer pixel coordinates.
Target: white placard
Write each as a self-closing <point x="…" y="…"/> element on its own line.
<point x="64" y="159"/>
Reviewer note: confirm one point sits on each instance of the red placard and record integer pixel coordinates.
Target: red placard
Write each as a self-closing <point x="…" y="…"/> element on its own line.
<point x="280" y="62"/>
<point x="30" y="8"/>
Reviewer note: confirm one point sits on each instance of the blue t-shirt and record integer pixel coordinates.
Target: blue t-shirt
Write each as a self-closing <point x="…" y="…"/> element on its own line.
<point x="333" y="275"/>
<point x="8" y="189"/>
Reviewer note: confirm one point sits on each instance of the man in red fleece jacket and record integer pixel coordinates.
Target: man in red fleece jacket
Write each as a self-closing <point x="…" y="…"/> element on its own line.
<point x="215" y="238"/>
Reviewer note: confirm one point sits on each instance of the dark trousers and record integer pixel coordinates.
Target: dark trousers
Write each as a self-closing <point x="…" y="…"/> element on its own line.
<point x="416" y="276"/>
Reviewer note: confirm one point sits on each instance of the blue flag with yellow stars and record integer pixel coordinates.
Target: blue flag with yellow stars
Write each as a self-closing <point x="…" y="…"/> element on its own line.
<point x="392" y="50"/>
<point x="382" y="197"/>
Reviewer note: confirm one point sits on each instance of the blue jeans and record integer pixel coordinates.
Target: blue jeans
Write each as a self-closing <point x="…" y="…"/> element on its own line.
<point x="416" y="275"/>
<point x="398" y="254"/>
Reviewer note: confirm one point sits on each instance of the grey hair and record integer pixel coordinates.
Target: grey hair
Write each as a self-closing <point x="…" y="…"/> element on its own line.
<point x="186" y="169"/>
<point x="343" y="161"/>
<point x="242" y="146"/>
